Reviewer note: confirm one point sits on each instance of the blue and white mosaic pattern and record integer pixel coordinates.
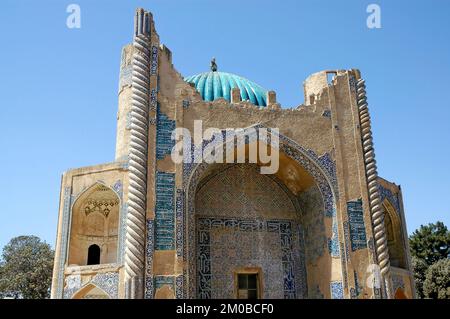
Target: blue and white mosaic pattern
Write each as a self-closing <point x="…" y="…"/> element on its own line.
<point x="283" y="228"/>
<point x="392" y="198"/>
<point x="154" y="63"/>
<point x="179" y="222"/>
<point x="344" y="265"/>
<point x="356" y="225"/>
<point x="118" y="189"/>
<point x="336" y="289"/>
<point x="164" y="213"/>
<point x="153" y="99"/>
<point x="333" y="242"/>
<point x="164" y="128"/>
<point x="302" y="290"/>
<point x="108" y="282"/>
<point x="179" y="287"/>
<point x="64" y="241"/>
<point x="150" y="246"/>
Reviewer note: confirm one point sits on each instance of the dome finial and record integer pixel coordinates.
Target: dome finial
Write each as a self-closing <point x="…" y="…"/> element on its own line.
<point x="213" y="65"/>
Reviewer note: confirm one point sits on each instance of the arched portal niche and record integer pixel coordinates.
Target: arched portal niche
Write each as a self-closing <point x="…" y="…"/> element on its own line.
<point x="94" y="227"/>
<point x="249" y="233"/>
<point x="396" y="245"/>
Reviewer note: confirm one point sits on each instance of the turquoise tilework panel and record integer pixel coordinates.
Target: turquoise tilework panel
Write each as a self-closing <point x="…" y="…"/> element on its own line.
<point x="337" y="292"/>
<point x="356" y="225"/>
<point x="164" y="128"/>
<point x="164" y="213"/>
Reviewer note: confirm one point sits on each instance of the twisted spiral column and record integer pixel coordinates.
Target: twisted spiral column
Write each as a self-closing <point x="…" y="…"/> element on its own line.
<point x="376" y="209"/>
<point x="137" y="189"/>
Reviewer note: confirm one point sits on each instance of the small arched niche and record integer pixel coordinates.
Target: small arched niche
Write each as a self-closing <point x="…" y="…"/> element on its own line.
<point x="94" y="227"/>
<point x="93" y="255"/>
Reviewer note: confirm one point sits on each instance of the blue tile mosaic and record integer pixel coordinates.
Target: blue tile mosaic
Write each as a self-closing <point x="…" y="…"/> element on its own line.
<point x="391" y="197"/>
<point x="122" y="231"/>
<point x="164" y="211"/>
<point x="179" y="287"/>
<point x="64" y="241"/>
<point x="108" y="282"/>
<point x="356" y="225"/>
<point x="149" y="246"/>
<point x="164" y="142"/>
<point x="336" y="289"/>
<point x="154" y="63"/>
<point x="179" y="207"/>
<point x="344" y="265"/>
<point x="153" y="99"/>
<point x="164" y="280"/>
<point x="149" y="287"/>
<point x="333" y="242"/>
<point x="284" y="229"/>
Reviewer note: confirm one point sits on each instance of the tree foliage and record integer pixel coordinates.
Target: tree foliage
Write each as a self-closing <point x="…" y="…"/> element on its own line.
<point x="430" y="243"/>
<point x="437" y="280"/>
<point x="430" y="250"/>
<point x="26" y="268"/>
<point x="419" y="268"/>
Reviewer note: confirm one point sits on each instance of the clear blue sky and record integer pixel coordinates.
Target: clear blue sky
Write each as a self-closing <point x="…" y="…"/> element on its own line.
<point x="58" y="86"/>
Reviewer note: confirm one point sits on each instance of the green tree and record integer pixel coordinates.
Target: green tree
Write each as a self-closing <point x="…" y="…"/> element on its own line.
<point x="430" y="243"/>
<point x="26" y="268"/>
<point x="419" y="267"/>
<point x="437" y="280"/>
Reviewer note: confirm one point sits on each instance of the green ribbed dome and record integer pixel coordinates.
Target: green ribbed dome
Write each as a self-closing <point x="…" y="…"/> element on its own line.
<point x="214" y="85"/>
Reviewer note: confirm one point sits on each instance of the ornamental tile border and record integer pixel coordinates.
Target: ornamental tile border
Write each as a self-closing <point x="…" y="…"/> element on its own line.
<point x="386" y="193"/>
<point x="64" y="241"/>
<point x="150" y="244"/>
